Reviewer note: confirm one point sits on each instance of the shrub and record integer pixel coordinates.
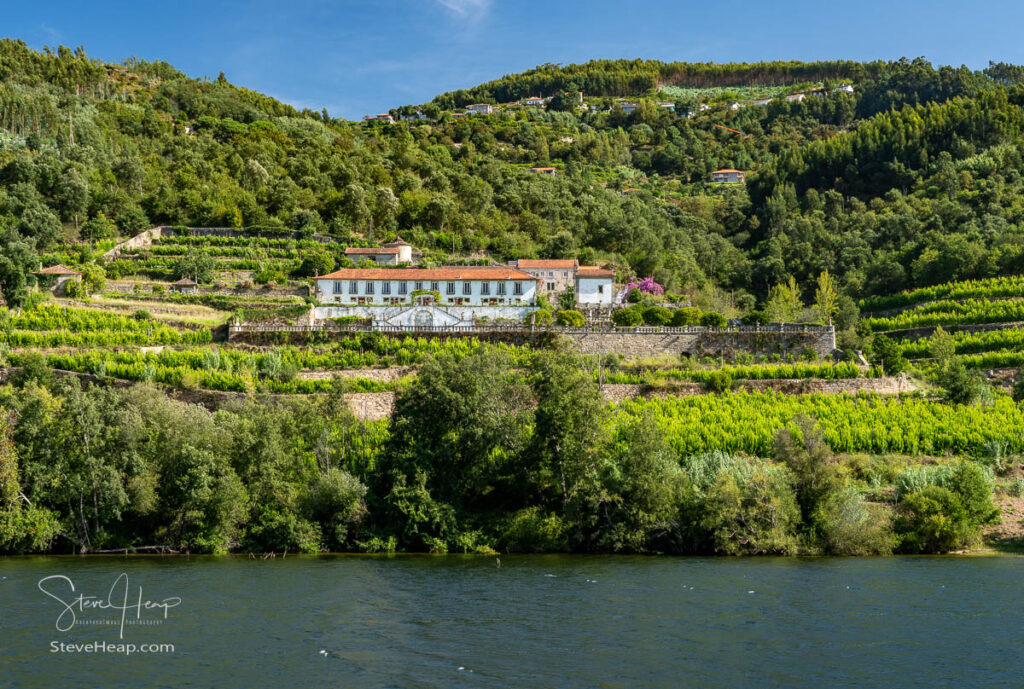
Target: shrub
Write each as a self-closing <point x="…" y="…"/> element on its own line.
<point x="533" y="530"/>
<point x="940" y="518"/>
<point x="142" y="315"/>
<point x="1016" y="488"/>
<point x="688" y="315"/>
<point x="849" y="525"/>
<point x="541" y="317"/>
<point x="961" y="386"/>
<point x="628" y="317"/>
<point x="634" y="296"/>
<point x="75" y="289"/>
<point x="719" y="381"/>
<point x="713" y="320"/>
<point x="755" y="515"/>
<point x="657" y="315"/>
<point x="887" y="353"/>
<point x="933" y="520"/>
<point x="571" y="318"/>
<point x="755" y="318"/>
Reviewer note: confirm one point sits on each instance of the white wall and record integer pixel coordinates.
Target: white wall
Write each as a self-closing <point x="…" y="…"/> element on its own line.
<point x="588" y="291"/>
<point x="328" y="295"/>
<point x="443" y="315"/>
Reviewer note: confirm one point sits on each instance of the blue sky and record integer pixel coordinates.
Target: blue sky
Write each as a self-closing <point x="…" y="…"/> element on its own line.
<point x="364" y="56"/>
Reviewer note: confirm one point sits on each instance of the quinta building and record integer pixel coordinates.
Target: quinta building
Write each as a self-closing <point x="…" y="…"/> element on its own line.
<point x="427" y="297"/>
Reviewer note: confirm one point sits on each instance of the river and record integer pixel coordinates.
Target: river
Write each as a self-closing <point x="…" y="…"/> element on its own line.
<point x="535" y="621"/>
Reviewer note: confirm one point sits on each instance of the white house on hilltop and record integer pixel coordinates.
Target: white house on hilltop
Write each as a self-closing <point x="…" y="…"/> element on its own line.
<point x="480" y="109"/>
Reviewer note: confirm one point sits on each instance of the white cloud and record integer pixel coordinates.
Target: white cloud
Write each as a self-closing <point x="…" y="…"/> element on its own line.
<point x="468" y="9"/>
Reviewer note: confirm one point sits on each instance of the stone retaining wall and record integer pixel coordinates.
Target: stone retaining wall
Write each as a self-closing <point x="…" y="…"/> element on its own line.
<point x="709" y="342"/>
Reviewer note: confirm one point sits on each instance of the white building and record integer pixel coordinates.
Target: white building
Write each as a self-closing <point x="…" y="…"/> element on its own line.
<point x="389" y="254"/>
<point x="628" y="108"/>
<point x="761" y="101"/>
<point x="480" y="109"/>
<point x="456" y="286"/>
<point x="845" y="88"/>
<point x="534" y="101"/>
<point x="594" y="285"/>
<point x="418" y="115"/>
<point x="427" y="298"/>
<point x="794" y="97"/>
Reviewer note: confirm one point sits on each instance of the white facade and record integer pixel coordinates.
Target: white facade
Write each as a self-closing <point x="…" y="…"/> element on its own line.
<point x="595" y="286"/>
<point x="484" y="286"/>
<point x="425" y="315"/>
<point x="480" y="108"/>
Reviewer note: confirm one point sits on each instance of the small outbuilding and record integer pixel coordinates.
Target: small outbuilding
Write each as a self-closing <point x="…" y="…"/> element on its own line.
<point x="62" y="275"/>
<point x="185" y="286"/>
<point x="594" y="285"/>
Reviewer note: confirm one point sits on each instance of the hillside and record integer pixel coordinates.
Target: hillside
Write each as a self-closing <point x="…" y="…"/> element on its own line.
<point x="883" y="197"/>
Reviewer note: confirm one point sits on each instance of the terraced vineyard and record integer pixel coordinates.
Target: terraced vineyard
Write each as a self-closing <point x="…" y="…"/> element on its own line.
<point x="748" y="422"/>
<point x="985" y="318"/>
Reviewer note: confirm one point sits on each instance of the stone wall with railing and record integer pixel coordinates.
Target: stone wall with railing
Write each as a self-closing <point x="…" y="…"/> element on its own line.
<point x="643" y="341"/>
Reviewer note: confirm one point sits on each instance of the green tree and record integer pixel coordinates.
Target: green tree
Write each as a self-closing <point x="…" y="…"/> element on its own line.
<point x="784" y="303"/>
<point x="97" y="228"/>
<point x="826" y="298"/>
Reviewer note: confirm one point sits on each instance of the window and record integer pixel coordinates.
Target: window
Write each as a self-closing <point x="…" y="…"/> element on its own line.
<point x="369" y="287"/>
<point x="450" y="289"/>
<point x="551" y="273"/>
<point x="600" y="289"/>
<point x="353" y="287"/>
<point x="551" y="287"/>
<point x="565" y="273"/>
<point x="485" y="288"/>
<point x="467" y="287"/>
<point x="385" y="287"/>
<point x="417" y="285"/>
<point x="403" y="287"/>
<point x="338" y="287"/>
<point x="435" y="286"/>
<point x="501" y="289"/>
<point x="517" y="289"/>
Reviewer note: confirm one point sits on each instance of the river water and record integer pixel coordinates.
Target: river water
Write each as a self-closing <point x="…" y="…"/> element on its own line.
<point x="535" y="621"/>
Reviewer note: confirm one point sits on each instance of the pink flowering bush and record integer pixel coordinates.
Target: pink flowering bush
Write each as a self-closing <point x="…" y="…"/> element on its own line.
<point x="647" y="285"/>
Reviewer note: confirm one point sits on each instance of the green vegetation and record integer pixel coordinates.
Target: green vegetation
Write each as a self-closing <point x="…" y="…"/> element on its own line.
<point x="902" y="200"/>
<point x="748" y="421"/>
<point x="479" y="457"/>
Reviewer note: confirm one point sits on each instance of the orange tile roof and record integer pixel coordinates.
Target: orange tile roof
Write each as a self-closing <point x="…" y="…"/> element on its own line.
<point x="451" y="273"/>
<point x="58" y="269"/>
<point x="595" y="272"/>
<point x="727" y="170"/>
<point x="546" y="263"/>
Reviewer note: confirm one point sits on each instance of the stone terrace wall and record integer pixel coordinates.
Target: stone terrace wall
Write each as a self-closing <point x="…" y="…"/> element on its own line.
<point x="145" y="238"/>
<point x="705" y="341"/>
<point x="631" y="343"/>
